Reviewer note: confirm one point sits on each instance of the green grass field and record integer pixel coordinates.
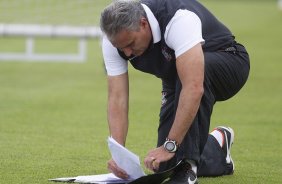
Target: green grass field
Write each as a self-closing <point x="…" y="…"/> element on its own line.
<point x="53" y="115"/>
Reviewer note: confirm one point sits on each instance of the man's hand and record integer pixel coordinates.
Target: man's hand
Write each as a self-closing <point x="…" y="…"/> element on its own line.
<point x="156" y="156"/>
<point x="113" y="168"/>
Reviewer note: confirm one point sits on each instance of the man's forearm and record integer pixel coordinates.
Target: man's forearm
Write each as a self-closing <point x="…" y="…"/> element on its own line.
<point x="190" y="69"/>
<point x="118" y="122"/>
<point x="118" y="93"/>
<point x="188" y="106"/>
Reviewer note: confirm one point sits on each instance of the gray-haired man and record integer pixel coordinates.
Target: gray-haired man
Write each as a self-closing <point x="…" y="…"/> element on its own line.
<point x="199" y="63"/>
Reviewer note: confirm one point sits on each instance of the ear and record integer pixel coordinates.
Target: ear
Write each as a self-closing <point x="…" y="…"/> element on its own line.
<point x="144" y="22"/>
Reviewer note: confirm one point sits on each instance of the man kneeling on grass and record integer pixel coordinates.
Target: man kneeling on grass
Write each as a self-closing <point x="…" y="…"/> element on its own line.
<point x="199" y="63"/>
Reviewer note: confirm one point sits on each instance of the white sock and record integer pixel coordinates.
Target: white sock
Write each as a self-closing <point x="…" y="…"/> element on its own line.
<point x="193" y="165"/>
<point x="218" y="136"/>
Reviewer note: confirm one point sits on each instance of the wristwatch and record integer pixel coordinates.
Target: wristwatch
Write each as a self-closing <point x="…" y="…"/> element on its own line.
<point x="170" y="145"/>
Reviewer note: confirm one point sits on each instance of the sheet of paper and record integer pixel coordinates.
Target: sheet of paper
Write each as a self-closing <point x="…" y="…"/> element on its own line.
<point x="110" y="178"/>
<point x="102" y="178"/>
<point x="125" y="159"/>
<point x="68" y="179"/>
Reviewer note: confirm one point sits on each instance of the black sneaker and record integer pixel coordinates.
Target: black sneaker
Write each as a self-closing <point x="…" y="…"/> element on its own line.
<point x="185" y="175"/>
<point x="228" y="141"/>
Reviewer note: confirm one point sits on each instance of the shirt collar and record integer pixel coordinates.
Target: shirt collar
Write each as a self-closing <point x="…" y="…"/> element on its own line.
<point x="154" y="24"/>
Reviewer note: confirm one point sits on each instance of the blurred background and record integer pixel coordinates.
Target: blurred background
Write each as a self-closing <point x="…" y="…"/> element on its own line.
<point x="53" y="113"/>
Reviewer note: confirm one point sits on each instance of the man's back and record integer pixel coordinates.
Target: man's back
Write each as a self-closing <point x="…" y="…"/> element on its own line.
<point x="215" y="34"/>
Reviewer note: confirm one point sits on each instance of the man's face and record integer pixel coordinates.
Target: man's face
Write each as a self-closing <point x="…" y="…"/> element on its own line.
<point x="134" y="42"/>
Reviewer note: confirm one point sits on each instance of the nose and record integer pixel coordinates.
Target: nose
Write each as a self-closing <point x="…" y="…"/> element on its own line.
<point x="127" y="51"/>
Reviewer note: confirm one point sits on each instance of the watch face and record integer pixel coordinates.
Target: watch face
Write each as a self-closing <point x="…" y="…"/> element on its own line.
<point x="170" y="146"/>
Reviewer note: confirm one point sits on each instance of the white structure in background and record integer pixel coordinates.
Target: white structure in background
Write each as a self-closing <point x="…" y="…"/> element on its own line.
<point x="32" y="19"/>
<point x="33" y="31"/>
<point x="280" y="4"/>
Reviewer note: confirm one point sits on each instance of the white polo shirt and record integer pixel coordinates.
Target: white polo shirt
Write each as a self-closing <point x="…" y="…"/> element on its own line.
<point x="182" y="33"/>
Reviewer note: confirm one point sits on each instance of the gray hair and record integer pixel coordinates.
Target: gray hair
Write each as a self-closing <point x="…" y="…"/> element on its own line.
<point x="121" y="15"/>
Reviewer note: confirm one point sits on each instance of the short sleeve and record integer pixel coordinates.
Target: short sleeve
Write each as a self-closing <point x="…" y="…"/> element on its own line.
<point x="115" y="64"/>
<point x="183" y="31"/>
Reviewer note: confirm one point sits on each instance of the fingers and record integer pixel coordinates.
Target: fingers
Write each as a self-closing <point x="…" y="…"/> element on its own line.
<point x="155" y="164"/>
<point x="113" y="168"/>
<point x="157" y="156"/>
<point x="152" y="163"/>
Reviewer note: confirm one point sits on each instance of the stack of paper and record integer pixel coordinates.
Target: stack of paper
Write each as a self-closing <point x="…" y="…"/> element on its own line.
<point x="124" y="158"/>
<point x="102" y="178"/>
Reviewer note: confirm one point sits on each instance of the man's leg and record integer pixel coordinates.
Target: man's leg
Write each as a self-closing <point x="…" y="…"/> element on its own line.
<point x="227" y="72"/>
<point x="166" y="119"/>
<point x="194" y="141"/>
<point x="216" y="157"/>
